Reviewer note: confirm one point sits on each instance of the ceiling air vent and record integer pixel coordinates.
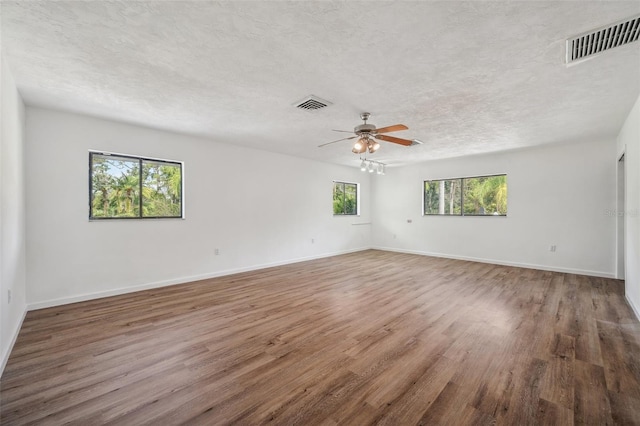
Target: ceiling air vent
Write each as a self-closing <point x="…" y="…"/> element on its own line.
<point x="312" y="103"/>
<point x="594" y="42"/>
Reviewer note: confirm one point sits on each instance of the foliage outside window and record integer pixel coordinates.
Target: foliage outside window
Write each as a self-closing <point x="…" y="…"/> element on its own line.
<point x="345" y="198"/>
<point x="442" y="197"/>
<point x="474" y="196"/>
<point x="126" y="187"/>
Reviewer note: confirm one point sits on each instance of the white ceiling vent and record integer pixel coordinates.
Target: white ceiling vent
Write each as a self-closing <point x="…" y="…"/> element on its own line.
<point x="589" y="44"/>
<point x="312" y="103"/>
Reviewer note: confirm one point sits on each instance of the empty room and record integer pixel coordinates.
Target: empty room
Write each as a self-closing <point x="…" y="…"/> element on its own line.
<point x="319" y="212"/>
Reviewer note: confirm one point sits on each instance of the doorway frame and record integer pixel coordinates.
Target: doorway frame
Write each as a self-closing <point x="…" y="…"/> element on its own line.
<point x="621" y="187"/>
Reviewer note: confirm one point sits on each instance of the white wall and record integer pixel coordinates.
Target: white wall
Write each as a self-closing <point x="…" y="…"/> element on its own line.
<point x="12" y="213"/>
<point x="556" y="195"/>
<point x="629" y="144"/>
<point x="257" y="208"/>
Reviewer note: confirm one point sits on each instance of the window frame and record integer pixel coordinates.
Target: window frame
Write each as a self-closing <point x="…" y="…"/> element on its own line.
<point x="424" y="198"/>
<point x="140" y="160"/>
<point x="357" y="185"/>
<point x="462" y="186"/>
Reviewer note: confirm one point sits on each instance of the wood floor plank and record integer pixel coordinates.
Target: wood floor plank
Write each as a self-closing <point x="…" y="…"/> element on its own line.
<point x="622" y="363"/>
<point x="624" y="408"/>
<point x="371" y="337"/>
<point x="410" y="407"/>
<point x="557" y="384"/>
<point x="525" y="393"/>
<point x="591" y="400"/>
<point x="441" y="412"/>
<point x="552" y="414"/>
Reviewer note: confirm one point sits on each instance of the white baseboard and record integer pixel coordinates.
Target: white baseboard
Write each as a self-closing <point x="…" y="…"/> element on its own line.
<point x="504" y="263"/>
<point x="14" y="337"/>
<point x="634" y="308"/>
<point x="186" y="279"/>
<point x="181" y="280"/>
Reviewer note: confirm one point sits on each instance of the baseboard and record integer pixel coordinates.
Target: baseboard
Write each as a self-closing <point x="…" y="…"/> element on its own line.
<point x="14" y="337"/>
<point x="504" y="263"/>
<point x="634" y="308"/>
<point x="181" y="280"/>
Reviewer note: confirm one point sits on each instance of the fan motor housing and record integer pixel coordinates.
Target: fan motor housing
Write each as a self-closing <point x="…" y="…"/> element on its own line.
<point x="364" y="128"/>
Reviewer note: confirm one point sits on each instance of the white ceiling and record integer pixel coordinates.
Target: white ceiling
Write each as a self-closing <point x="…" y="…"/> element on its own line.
<point x="466" y="77"/>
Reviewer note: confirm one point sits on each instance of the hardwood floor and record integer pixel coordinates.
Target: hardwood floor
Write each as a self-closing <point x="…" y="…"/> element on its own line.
<point x="369" y="337"/>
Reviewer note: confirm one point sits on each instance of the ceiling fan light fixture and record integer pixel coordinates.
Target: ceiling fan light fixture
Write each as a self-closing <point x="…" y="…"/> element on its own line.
<point x="363" y="165"/>
<point x="360" y="146"/>
<point x="365" y="134"/>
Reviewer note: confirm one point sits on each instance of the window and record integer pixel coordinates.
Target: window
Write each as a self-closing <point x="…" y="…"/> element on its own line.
<point x="485" y="196"/>
<point x="345" y="198"/>
<point x="126" y="187"/>
<point x="442" y="197"/>
<point x="474" y="196"/>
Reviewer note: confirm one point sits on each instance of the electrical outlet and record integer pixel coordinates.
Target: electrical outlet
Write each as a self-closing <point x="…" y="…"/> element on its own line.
<point x="8" y="296"/>
<point x="409" y="221"/>
<point x="216" y="252"/>
<point x="552" y="248"/>
<point x="313" y="241"/>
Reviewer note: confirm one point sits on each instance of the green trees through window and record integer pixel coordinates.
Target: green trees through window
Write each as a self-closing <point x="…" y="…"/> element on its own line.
<point x="345" y="198"/>
<point x="475" y="196"/>
<point x="442" y="197"/>
<point x="132" y="187"/>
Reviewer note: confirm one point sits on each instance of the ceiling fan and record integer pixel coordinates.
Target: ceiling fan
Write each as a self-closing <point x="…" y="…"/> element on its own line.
<point x="368" y="133"/>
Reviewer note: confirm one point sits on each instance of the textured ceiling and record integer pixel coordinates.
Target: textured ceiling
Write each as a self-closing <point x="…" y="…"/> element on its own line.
<point x="466" y="77"/>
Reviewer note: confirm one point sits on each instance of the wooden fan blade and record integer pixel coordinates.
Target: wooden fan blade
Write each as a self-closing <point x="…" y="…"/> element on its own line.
<point x="343" y="131"/>
<point x="394" y="128"/>
<point x="399" y="141"/>
<point x="343" y="139"/>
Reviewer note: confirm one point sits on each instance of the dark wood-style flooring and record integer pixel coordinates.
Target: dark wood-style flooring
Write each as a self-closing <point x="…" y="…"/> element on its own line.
<point x="369" y="337"/>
